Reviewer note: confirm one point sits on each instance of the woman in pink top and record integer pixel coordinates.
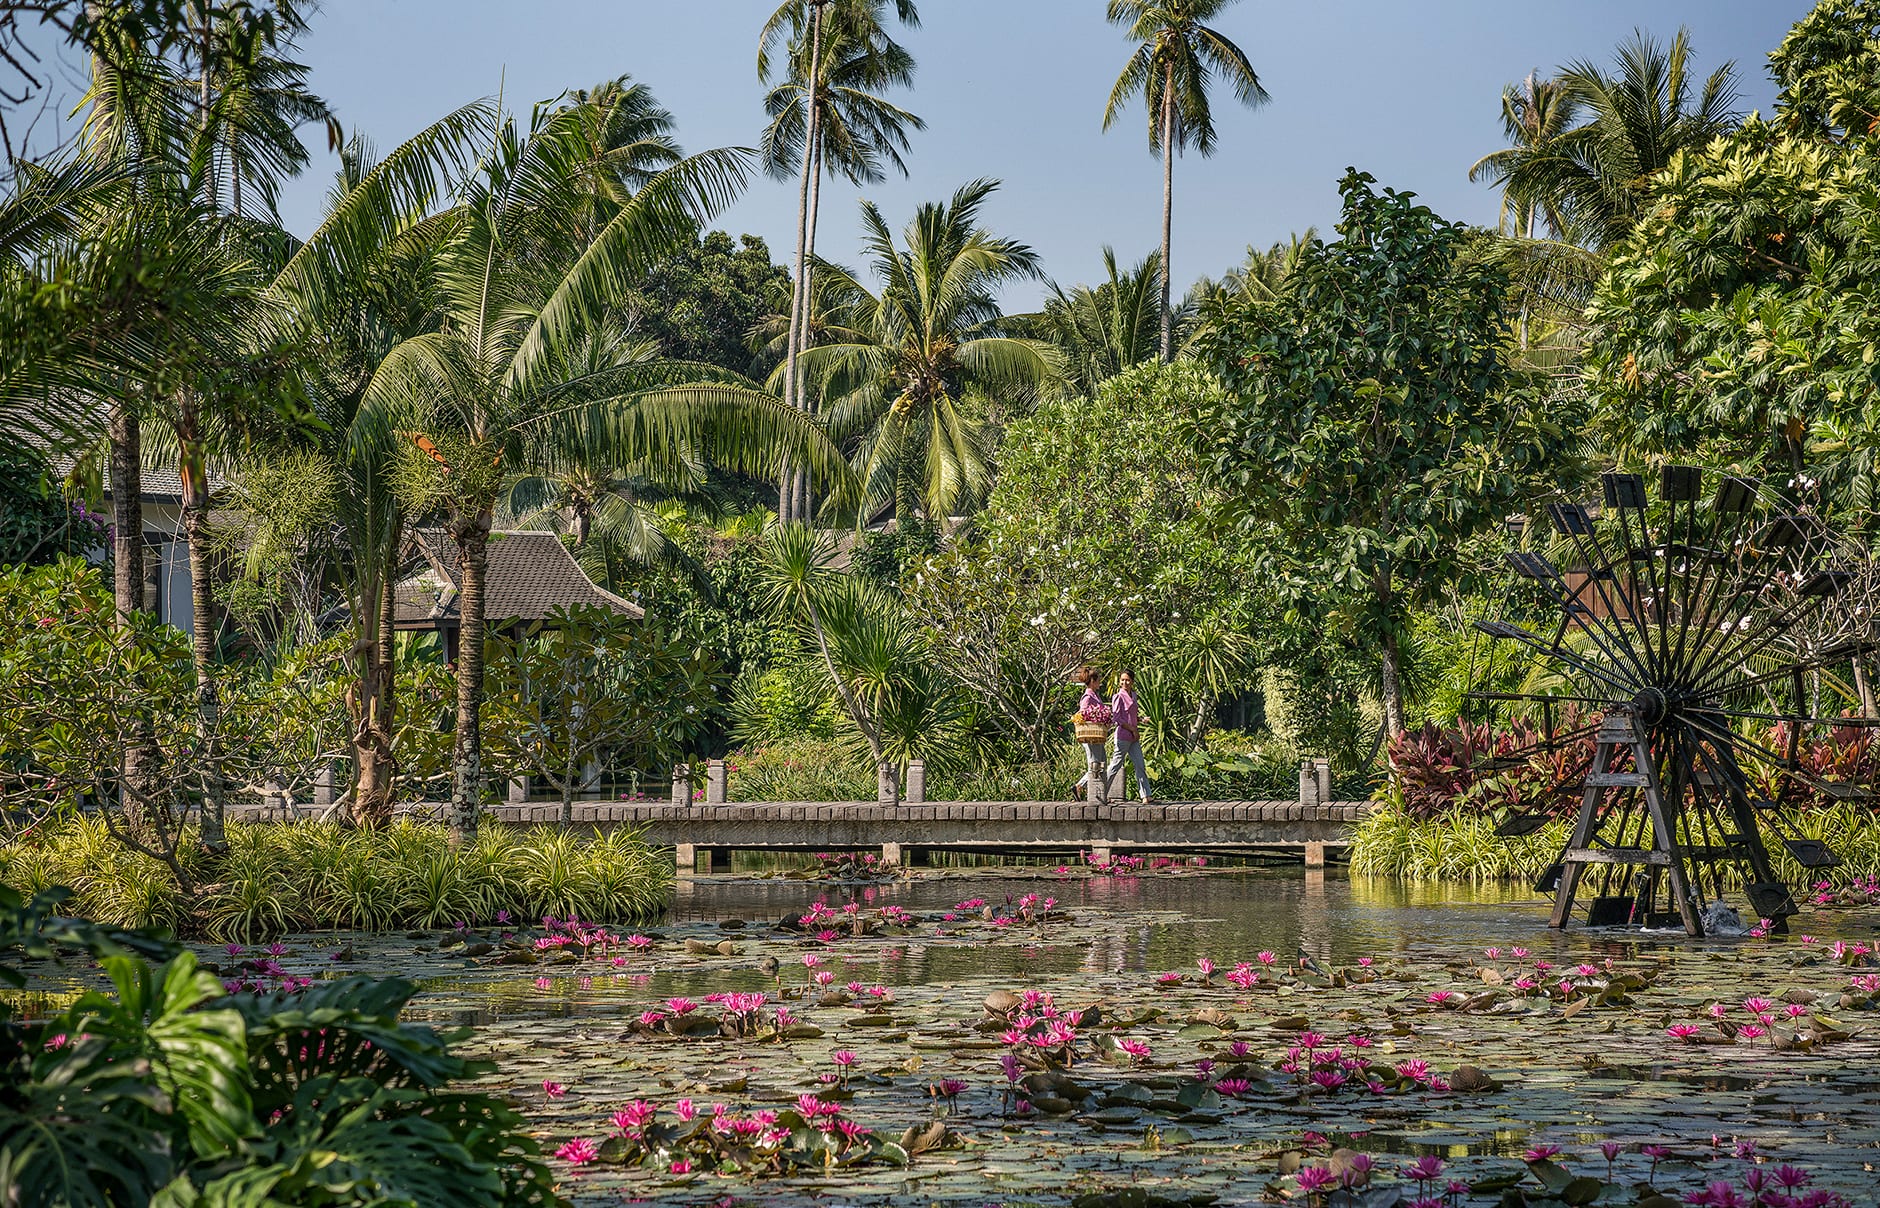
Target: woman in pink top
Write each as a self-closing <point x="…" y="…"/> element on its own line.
<point x="1128" y="719"/>
<point x="1093" y="751"/>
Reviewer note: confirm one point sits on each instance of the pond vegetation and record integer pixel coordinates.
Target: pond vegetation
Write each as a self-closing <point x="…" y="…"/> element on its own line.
<point x="1177" y="1036"/>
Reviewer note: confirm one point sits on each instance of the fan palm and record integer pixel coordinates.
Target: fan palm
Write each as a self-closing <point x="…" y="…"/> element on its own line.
<point x="826" y="114"/>
<point x="1177" y="55"/>
<point x="1533" y="116"/>
<point x="495" y="385"/>
<point x="923" y="350"/>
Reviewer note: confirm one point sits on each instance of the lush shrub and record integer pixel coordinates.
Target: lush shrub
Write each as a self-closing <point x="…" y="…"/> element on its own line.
<point x="305" y="876"/>
<point x="1484" y="769"/>
<point x="806" y="769"/>
<point x="1456" y="844"/>
<point x="1460" y="844"/>
<point x="799" y="769"/>
<point x="168" y="1090"/>
<point x="1231" y="767"/>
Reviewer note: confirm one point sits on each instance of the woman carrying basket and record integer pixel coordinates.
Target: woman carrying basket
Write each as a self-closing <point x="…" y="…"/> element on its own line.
<point x="1093" y="730"/>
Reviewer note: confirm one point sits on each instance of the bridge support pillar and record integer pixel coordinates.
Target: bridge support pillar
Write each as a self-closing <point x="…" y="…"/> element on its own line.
<point x="1100" y="853"/>
<point x="686" y="857"/>
<point x="1315" y="855"/>
<point x="891" y="853"/>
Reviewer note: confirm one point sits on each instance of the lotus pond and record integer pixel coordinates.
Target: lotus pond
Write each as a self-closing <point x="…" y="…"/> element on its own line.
<point x="1173" y="1035"/>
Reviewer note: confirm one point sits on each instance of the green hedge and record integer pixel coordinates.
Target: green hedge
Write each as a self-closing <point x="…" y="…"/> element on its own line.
<point x="281" y="877"/>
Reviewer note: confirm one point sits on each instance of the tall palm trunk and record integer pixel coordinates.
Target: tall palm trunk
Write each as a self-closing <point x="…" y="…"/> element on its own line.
<point x="127" y="509"/>
<point x="202" y="640"/>
<point x="799" y="283"/>
<point x="1168" y="203"/>
<point x="127" y="583"/>
<point x="806" y="336"/>
<point x="472" y="535"/>
<point x="374" y="765"/>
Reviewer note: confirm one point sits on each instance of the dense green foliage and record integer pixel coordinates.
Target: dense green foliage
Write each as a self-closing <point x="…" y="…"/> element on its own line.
<point x="1739" y="321"/>
<point x="704" y="302"/>
<point x="278" y="878"/>
<point x="169" y="1090"/>
<point x="1371" y="424"/>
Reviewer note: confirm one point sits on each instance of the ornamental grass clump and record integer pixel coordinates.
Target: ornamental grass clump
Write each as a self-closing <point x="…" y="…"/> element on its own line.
<point x="282" y="877"/>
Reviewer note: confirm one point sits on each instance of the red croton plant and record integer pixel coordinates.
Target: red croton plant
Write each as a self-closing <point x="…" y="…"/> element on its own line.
<point x="1492" y="768"/>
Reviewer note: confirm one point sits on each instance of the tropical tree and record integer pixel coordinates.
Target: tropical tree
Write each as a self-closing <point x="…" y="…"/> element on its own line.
<point x="498" y="381"/>
<point x="924" y="355"/>
<point x="1370" y="423"/>
<point x="1177" y="55"/>
<point x="361" y="284"/>
<point x="825" y="114"/>
<point x="240" y="106"/>
<point x="1105" y="329"/>
<point x="1595" y="177"/>
<point x="1533" y="116"/>
<point x="1736" y="323"/>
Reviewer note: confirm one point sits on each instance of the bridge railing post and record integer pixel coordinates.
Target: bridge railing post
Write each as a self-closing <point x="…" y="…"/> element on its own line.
<point x="916" y="793"/>
<point x="1322" y="771"/>
<point x="1308" y="783"/>
<point x="887" y="783"/>
<point x="681" y="784"/>
<point x="715" y="782"/>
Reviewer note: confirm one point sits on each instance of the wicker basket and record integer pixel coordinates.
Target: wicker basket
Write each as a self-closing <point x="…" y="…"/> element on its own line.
<point x="1092" y="731"/>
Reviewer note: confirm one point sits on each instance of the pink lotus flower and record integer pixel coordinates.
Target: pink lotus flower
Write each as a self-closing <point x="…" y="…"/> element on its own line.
<point x="1267" y="958"/>
<point x="578" y="1152"/>
<point x="685" y="1110"/>
<point x="1207" y="969"/>
<point x="1541" y="1153"/>
<point x="1519" y="954"/>
<point x="1682" y="1031"/>
<point x="1425" y="1169"/>
<point x="1750" y="1031"/>
<point x="1135" y="1048"/>
<point x="553" y="1089"/>
<point x="1493" y="954"/>
<point x="1757" y="1006"/>
<point x="843" y="1057"/>
<point x="1364" y="962"/>
<point x="1442" y="998"/>
<point x="681" y="1166"/>
<point x="1232" y="1087"/>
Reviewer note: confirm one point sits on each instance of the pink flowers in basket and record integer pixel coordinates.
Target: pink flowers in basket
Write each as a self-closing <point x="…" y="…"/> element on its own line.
<point x="1096" y="715"/>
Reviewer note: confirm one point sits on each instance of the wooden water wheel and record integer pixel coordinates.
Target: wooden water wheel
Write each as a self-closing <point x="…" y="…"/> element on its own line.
<point x="1707" y="635"/>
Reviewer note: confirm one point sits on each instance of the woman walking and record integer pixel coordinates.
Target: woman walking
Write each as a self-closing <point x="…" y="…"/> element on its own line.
<point x="1090" y="710"/>
<point x="1128" y="719"/>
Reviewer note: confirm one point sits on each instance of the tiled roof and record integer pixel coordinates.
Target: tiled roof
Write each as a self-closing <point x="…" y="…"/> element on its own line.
<point x="529" y="576"/>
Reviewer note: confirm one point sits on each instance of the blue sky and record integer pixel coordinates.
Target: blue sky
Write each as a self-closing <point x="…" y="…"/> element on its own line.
<point x="1014" y="89"/>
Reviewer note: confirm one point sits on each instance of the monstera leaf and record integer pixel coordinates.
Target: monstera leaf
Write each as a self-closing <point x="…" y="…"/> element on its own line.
<point x="347" y="1027"/>
<point x="83" y="1128"/>
<point x="198" y="1058"/>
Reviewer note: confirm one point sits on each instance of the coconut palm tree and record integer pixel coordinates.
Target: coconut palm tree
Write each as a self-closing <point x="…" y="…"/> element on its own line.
<point x="908" y="388"/>
<point x="1177" y="55"/>
<point x="1595" y="176"/>
<point x="362" y="283"/>
<point x="494" y="384"/>
<point x="1106" y="329"/>
<point x="1533" y="116"/>
<point x="826" y="114"/>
